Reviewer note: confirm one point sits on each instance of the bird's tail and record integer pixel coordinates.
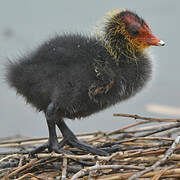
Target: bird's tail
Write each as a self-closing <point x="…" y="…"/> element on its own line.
<point x="15" y="76"/>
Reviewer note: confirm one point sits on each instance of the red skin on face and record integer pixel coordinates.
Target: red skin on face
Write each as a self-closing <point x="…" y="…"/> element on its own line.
<point x="145" y="38"/>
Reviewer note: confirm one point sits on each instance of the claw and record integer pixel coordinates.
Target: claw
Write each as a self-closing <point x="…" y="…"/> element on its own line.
<point x="86" y="147"/>
<point x="51" y="148"/>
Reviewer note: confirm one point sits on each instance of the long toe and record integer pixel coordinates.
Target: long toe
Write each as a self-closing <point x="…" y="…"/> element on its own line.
<point x="39" y="149"/>
<point x="86" y="147"/>
<point x="51" y="148"/>
<point x="70" y="139"/>
<point x="56" y="149"/>
<point x="62" y="143"/>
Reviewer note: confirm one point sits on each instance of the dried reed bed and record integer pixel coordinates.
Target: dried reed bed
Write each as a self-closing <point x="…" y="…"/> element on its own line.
<point x="146" y="149"/>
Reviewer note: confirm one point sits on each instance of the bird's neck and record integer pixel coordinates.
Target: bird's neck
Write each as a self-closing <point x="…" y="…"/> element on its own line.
<point x="121" y="49"/>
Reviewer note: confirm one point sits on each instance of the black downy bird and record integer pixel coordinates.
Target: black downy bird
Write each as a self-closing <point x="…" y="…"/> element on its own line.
<point x="73" y="76"/>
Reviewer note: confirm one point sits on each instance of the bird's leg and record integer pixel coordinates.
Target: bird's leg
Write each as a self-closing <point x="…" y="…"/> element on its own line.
<point x="50" y="118"/>
<point x="52" y="143"/>
<point x="68" y="136"/>
<point x="70" y="139"/>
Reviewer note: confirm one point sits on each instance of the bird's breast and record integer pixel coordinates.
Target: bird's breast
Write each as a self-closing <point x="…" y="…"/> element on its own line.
<point x="129" y="80"/>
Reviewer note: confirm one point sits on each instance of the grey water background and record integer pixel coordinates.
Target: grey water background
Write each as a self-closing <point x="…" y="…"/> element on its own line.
<point x="26" y="24"/>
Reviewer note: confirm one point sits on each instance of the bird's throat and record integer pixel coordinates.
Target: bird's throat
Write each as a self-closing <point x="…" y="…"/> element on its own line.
<point x="119" y="47"/>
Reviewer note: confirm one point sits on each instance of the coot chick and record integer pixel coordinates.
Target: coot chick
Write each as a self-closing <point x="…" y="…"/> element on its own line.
<point x="73" y="76"/>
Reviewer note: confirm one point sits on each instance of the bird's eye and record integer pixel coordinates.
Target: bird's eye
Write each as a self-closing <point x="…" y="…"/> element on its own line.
<point x="134" y="32"/>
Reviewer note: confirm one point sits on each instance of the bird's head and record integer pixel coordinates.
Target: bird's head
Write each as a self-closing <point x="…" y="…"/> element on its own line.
<point x="126" y="27"/>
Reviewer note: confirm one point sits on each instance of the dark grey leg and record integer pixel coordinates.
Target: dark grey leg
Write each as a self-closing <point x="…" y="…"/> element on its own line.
<point x="52" y="143"/>
<point x="70" y="138"/>
<point x="50" y="118"/>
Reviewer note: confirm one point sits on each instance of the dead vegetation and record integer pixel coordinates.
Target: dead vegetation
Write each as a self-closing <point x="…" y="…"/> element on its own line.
<point x="146" y="149"/>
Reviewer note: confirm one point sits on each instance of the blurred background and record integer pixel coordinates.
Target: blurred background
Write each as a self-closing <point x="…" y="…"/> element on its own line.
<point x="26" y="24"/>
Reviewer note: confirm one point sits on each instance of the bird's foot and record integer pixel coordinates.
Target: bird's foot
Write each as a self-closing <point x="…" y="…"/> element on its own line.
<point x="54" y="147"/>
<point x="74" y="142"/>
<point x="70" y="139"/>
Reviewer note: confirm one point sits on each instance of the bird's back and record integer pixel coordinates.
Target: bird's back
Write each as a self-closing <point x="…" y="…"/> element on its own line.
<point x="57" y="65"/>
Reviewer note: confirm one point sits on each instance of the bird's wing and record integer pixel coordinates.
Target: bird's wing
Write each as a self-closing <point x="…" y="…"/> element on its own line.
<point x="104" y="81"/>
